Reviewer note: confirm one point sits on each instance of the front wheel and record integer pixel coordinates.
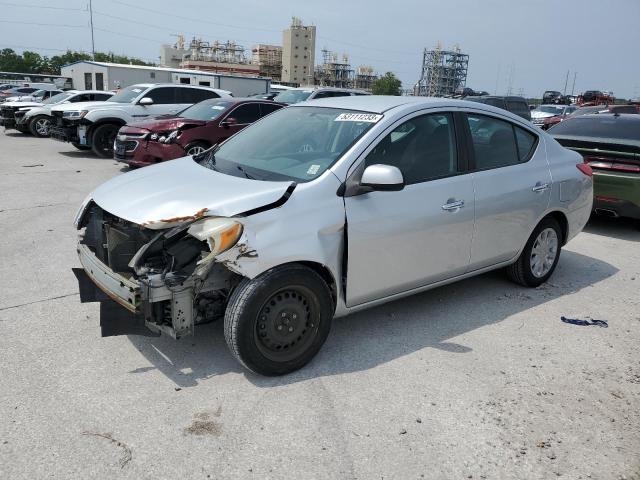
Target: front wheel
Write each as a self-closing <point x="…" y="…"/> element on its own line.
<point x="39" y="126"/>
<point x="196" y="148"/>
<point x="540" y="256"/>
<point x="102" y="140"/>
<point x="277" y="322"/>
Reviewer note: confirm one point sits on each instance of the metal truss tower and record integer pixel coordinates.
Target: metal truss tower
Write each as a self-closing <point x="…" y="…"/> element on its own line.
<point x="443" y="72"/>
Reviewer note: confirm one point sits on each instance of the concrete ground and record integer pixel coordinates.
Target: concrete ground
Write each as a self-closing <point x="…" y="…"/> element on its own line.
<point x="479" y="379"/>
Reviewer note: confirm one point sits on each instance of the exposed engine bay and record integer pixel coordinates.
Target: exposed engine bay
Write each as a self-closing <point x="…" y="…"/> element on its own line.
<point x="169" y="283"/>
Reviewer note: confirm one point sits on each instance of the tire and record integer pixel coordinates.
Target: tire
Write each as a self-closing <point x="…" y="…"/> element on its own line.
<point x="102" y="140"/>
<point x="265" y="314"/>
<point x="524" y="270"/>
<point x="194" y="148"/>
<point x="81" y="147"/>
<point x="39" y="125"/>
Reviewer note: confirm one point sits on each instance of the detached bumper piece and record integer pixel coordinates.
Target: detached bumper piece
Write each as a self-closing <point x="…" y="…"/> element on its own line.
<point x="149" y="308"/>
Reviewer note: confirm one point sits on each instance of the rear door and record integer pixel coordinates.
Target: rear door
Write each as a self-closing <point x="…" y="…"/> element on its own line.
<point x="512" y="185"/>
<point x="401" y="240"/>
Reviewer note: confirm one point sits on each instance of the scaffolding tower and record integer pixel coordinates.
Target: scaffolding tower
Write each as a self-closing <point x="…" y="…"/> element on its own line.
<point x="443" y="72"/>
<point x="334" y="72"/>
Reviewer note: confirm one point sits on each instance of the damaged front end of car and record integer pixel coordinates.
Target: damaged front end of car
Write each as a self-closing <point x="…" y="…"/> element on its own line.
<point x="163" y="272"/>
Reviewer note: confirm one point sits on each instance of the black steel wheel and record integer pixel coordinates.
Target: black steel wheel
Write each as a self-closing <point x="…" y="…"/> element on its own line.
<point x="102" y="140"/>
<point x="277" y="322"/>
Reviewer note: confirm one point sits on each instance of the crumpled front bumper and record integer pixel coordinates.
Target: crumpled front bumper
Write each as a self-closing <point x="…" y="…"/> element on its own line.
<point x="98" y="283"/>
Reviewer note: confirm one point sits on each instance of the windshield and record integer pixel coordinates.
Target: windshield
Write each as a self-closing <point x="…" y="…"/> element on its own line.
<point x="601" y="126"/>
<point x="550" y="109"/>
<point x="128" y="95"/>
<point x="207" y="110"/>
<point x="293" y="96"/>
<point x="60" y="97"/>
<point x="297" y="143"/>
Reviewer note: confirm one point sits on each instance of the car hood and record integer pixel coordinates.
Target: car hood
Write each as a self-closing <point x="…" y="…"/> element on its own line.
<point x="21" y="104"/>
<point x="83" y="106"/>
<point x="166" y="124"/>
<point x="535" y="114"/>
<point x="179" y="191"/>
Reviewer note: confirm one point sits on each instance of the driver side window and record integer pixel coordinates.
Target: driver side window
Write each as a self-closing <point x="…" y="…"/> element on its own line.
<point x="423" y="148"/>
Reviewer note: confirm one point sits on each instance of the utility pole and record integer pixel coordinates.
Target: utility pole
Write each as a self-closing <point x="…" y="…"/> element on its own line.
<point x="575" y="74"/>
<point x="93" y="46"/>
<point x="566" y="80"/>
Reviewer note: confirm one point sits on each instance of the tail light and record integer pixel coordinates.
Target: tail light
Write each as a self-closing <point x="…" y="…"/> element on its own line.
<point x="585" y="168"/>
<point x="601" y="163"/>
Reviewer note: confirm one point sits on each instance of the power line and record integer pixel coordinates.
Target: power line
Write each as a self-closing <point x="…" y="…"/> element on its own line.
<point x="34" y="48"/>
<point x="9" y="4"/>
<point x="43" y="24"/>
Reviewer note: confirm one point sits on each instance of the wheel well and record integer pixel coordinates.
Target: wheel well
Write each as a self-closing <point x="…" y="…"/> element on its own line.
<point x="326" y="275"/>
<point x="563" y="222"/>
<point x="107" y="121"/>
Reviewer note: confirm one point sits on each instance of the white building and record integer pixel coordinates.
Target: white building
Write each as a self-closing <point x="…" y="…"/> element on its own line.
<point x="89" y="75"/>
<point x="298" y="53"/>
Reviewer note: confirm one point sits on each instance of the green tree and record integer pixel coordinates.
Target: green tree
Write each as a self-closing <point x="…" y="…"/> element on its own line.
<point x="32" y="62"/>
<point x="388" y="84"/>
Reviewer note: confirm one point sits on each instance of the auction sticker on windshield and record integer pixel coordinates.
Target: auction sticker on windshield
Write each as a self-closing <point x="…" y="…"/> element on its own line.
<point x="358" y="117"/>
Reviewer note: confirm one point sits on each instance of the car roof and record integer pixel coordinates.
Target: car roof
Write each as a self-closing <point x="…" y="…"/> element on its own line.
<point x="384" y="103"/>
<point x="315" y="88"/>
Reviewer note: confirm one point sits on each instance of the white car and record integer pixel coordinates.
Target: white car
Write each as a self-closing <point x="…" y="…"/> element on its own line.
<point x="37" y="119"/>
<point x="95" y="125"/>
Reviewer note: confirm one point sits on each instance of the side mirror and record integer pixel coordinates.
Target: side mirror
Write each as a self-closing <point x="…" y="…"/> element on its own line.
<point x="382" y="177"/>
<point x="145" y="101"/>
<point x="229" y="122"/>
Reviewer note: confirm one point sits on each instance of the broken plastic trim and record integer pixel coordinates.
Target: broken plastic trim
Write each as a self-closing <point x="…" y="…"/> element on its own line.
<point x="278" y="203"/>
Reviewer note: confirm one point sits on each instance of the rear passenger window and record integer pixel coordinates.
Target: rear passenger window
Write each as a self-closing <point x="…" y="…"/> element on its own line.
<point x="267" y="109"/>
<point x="423" y="148"/>
<point x="247" y="113"/>
<point x="162" y="95"/>
<point x="526" y="143"/>
<point x="195" y="95"/>
<point x="519" y="108"/>
<point x="494" y="142"/>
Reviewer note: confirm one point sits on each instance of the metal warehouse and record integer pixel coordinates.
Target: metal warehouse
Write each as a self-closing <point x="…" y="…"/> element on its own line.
<point x="90" y="75"/>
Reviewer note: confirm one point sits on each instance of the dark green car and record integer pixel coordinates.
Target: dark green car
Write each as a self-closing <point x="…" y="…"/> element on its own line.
<point x="610" y="144"/>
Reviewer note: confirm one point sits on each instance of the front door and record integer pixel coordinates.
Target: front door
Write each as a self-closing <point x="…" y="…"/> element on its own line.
<point x="512" y="184"/>
<point x="401" y="240"/>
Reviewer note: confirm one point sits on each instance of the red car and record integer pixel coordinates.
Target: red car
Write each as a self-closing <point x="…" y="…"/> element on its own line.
<point x="192" y="131"/>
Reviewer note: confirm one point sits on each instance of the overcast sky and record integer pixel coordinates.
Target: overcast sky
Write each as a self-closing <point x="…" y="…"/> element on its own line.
<point x="526" y="44"/>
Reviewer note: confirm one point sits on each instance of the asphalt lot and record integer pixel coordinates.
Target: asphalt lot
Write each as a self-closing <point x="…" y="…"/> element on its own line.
<point x="478" y="379"/>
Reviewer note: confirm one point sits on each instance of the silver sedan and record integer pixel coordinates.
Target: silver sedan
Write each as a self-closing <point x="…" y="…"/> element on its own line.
<point x="323" y="209"/>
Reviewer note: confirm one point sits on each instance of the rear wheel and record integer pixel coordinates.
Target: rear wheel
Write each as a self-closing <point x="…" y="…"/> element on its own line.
<point x="196" y="148"/>
<point x="102" y="140"/>
<point x="277" y="322"/>
<point x="540" y="256"/>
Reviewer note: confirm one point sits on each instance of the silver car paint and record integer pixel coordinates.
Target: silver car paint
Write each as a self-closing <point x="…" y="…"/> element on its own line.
<point x="310" y="226"/>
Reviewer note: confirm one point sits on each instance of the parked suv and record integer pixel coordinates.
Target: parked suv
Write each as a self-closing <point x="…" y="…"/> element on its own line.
<point x="517" y="105"/>
<point x="13" y="105"/>
<point x="37" y="119"/>
<point x="95" y="125"/>
<point x="191" y="132"/>
<point x="302" y="94"/>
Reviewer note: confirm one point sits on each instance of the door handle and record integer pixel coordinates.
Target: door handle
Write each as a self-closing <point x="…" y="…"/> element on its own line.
<point x="453" y="205"/>
<point x="540" y="187"/>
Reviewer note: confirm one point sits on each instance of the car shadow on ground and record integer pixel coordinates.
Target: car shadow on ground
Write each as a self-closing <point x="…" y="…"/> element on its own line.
<point x="79" y="154"/>
<point x="619" y="228"/>
<point x="376" y="336"/>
